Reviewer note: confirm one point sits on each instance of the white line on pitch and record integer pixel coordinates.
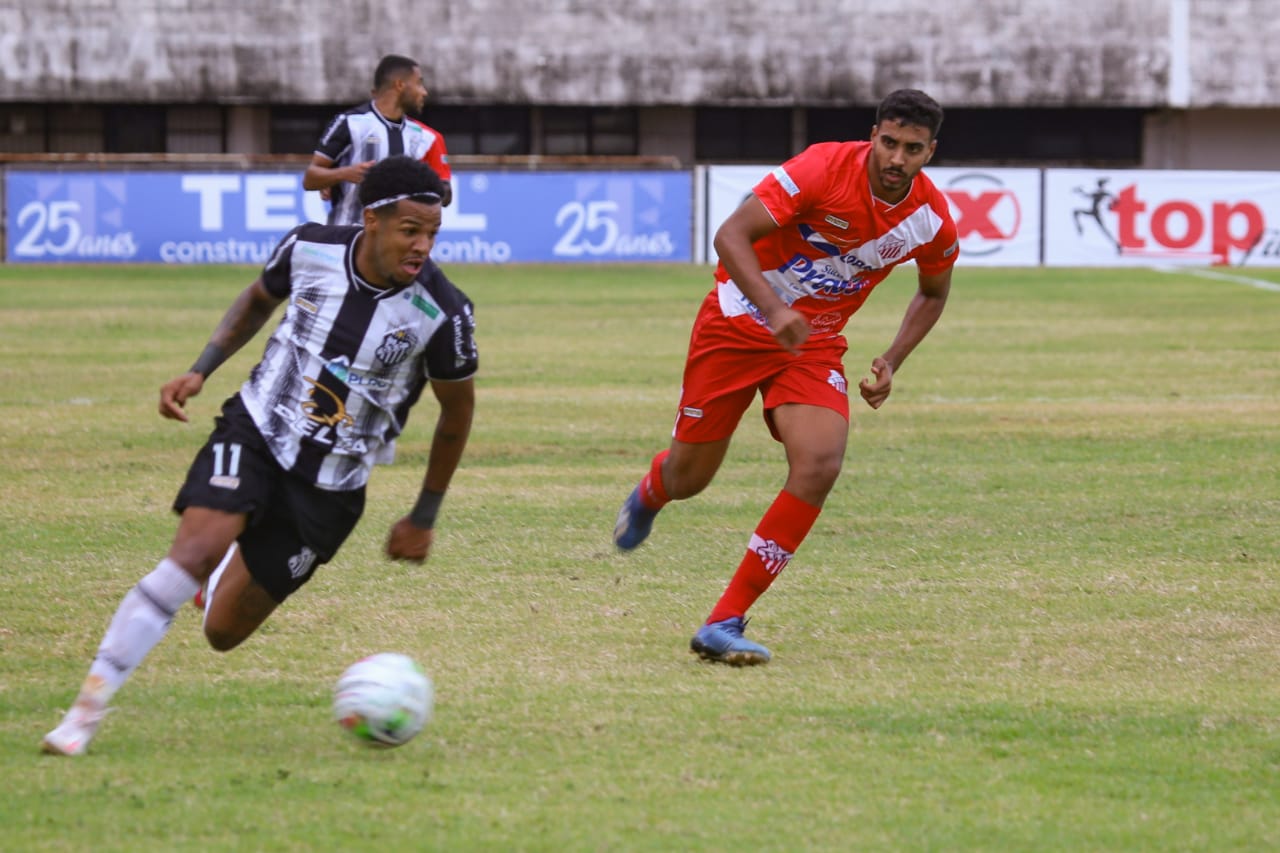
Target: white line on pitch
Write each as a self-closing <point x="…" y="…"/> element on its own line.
<point x="1261" y="284"/>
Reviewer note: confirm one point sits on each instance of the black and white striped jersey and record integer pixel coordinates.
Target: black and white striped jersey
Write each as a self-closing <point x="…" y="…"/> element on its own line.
<point x="362" y="133"/>
<point x="339" y="374"/>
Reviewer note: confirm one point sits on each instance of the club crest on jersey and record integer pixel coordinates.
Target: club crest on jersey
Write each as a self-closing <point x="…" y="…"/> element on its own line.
<point x="891" y="247"/>
<point x="396" y="346"/>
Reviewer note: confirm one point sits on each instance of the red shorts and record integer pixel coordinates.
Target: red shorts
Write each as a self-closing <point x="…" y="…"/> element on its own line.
<point x="725" y="368"/>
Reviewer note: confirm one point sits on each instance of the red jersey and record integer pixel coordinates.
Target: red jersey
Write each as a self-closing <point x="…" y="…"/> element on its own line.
<point x="835" y="241"/>
<point x="436" y="156"/>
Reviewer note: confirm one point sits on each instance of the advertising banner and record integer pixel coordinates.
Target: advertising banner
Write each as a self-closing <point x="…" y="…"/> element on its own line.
<point x="725" y="189"/>
<point x="997" y="211"/>
<point x="997" y="214"/>
<point x="228" y="217"/>
<point x="1143" y="218"/>
<point x="498" y="217"/>
<point x="166" y="217"/>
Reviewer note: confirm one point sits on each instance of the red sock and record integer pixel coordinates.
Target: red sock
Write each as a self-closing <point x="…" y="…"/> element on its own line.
<point x="775" y="541"/>
<point x="652" y="494"/>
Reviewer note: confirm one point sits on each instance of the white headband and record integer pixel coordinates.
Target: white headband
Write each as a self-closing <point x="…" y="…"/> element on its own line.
<point x="424" y="197"/>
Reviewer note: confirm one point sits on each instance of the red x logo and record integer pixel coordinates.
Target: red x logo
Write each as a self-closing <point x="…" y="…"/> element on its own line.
<point x="973" y="212"/>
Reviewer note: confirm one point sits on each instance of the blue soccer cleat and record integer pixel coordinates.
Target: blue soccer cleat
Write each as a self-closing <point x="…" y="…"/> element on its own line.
<point x="723" y="642"/>
<point x="635" y="520"/>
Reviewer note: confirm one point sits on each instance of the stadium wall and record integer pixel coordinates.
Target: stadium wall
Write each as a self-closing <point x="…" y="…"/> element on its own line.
<point x="1202" y="74"/>
<point x="1146" y="53"/>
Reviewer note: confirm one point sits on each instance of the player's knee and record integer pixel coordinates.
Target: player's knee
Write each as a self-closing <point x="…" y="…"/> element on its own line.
<point x="221" y="639"/>
<point x="812" y="479"/>
<point x="682" y="485"/>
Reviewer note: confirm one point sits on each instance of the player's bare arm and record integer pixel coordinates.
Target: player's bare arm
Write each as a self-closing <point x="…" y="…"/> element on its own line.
<point x="734" y="244"/>
<point x="921" y="315"/>
<point x="246" y="316"/>
<point x="322" y="174"/>
<point x="411" y="537"/>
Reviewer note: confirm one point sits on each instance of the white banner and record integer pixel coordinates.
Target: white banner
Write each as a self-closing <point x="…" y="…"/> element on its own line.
<point x="1139" y="218"/>
<point x="997" y="211"/>
<point x="726" y="187"/>
<point x="997" y="214"/>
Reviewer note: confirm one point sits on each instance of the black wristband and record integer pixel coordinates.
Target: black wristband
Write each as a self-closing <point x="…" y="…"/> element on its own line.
<point x="424" y="512"/>
<point x="209" y="360"/>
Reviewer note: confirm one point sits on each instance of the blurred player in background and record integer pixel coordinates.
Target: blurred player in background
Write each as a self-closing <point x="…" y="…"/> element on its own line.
<point x="363" y="135"/>
<point x="369" y="323"/>
<point x="797" y="259"/>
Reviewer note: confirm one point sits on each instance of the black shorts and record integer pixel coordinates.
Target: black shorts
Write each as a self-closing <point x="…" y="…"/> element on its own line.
<point x="293" y="527"/>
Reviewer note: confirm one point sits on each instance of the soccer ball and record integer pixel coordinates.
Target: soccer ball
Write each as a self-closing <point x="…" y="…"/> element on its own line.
<point x="383" y="700"/>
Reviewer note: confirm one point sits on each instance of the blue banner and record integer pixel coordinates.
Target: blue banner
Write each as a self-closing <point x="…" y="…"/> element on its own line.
<point x="238" y="217"/>
<point x="568" y="216"/>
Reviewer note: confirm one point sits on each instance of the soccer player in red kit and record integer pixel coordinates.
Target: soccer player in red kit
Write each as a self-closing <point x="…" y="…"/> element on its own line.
<point x="797" y="259"/>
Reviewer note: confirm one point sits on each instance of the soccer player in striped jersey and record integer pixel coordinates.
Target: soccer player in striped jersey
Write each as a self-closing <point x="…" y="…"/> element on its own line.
<point x="365" y="134"/>
<point x="797" y="259"/>
<point x="369" y="324"/>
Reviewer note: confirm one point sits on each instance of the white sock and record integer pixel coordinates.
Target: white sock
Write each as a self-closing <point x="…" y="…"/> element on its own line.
<point x="141" y="621"/>
<point x="212" y="583"/>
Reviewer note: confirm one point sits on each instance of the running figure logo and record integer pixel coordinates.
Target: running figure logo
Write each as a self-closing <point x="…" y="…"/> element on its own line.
<point x="1100" y="198"/>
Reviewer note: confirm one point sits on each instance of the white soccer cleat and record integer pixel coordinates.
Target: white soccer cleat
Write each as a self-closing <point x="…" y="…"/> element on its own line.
<point x="73" y="734"/>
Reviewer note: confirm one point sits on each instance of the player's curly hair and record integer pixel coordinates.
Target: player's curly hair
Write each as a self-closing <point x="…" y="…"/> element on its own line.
<point x="911" y="106"/>
<point x="398" y="177"/>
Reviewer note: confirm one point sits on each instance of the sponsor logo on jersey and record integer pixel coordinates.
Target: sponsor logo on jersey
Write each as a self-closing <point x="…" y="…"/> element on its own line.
<point x="818" y="240"/>
<point x="691" y="412"/>
<point x="821" y="279"/>
<point x="323" y="419"/>
<point x="773" y="555"/>
<point x="838" y="382"/>
<point x="326" y="407"/>
<point x="311" y="250"/>
<point x="317" y="428"/>
<point x="460" y="353"/>
<point x="341" y="368"/>
<point x="222" y="481"/>
<point x="305" y="305"/>
<point x="422" y="305"/>
<point x="827" y="321"/>
<point x="832" y="219"/>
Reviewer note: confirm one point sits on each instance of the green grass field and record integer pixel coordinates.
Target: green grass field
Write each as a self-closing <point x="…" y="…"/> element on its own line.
<point x="1040" y="612"/>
